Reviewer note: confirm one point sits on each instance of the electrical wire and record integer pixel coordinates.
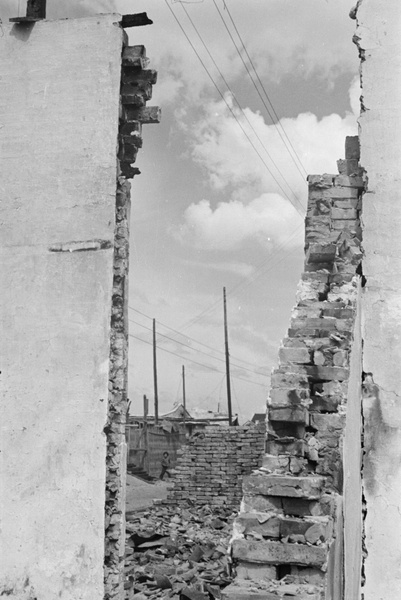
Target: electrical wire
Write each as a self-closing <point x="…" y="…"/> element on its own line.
<point x="236" y="100"/>
<point x="195" y="350"/>
<point x="300" y="212"/>
<point x="196" y="362"/>
<point x="191" y="338"/>
<point x="257" y="89"/>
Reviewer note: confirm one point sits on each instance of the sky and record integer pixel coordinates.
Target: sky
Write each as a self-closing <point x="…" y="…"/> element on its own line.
<point x="255" y="94"/>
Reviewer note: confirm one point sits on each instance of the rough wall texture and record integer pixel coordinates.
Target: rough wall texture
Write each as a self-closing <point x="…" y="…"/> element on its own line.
<point x="67" y="112"/>
<point x="289" y="534"/>
<point x="378" y="38"/>
<point x="211" y="467"/>
<point x="59" y="122"/>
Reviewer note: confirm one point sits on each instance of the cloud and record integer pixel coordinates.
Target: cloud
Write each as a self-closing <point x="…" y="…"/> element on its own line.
<point x="266" y="218"/>
<point x="281" y="38"/>
<point x="265" y="196"/>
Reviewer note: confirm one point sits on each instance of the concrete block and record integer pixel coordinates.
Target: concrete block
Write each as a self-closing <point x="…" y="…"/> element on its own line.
<point x="254" y="572"/>
<point x="271" y="462"/>
<point x="320" y="253"/>
<point x="259" y="523"/>
<point x="293" y="414"/>
<point x="324" y="373"/>
<point x="352" y="147"/>
<point x="288" y="397"/>
<point x="285" y="379"/>
<point x="349" y="181"/>
<point x="344" y="213"/>
<point x="288" y="446"/>
<point x="284" y="485"/>
<point x="296" y="355"/>
<point x="320" y="181"/>
<point x="257" y="502"/>
<point x="278" y="553"/>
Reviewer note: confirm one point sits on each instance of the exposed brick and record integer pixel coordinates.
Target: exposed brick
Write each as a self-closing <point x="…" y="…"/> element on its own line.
<point x="282" y="485"/>
<point x="277" y="553"/>
<point x="296" y="355"/>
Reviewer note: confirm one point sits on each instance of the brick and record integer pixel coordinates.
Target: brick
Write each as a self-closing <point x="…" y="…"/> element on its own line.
<point x="349" y="181"/>
<point x="252" y="502"/>
<point x="324" y="323"/>
<point x="354" y="203"/>
<point x="320" y="275"/>
<point x="320" y="253"/>
<point x="270" y="462"/>
<point x="352" y="147"/>
<point x="324" y="373"/>
<point x="292" y="414"/>
<point x="288" y="397"/>
<point x="288" y="445"/>
<point x="254" y="572"/>
<point x="344" y="213"/>
<point x="320" y="181"/>
<point x="295" y="355"/>
<point x="284" y="485"/>
<point x="278" y="553"/>
<point x="258" y="523"/>
<point x="349" y="167"/>
<point x="286" y="379"/>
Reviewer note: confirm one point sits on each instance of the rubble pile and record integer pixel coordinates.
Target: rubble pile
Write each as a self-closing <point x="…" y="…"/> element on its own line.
<point x="178" y="553"/>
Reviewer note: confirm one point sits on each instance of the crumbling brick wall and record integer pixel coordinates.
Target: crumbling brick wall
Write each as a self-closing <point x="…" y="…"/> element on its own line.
<point x="136" y="89"/>
<point x="289" y="534"/>
<point x="211" y="466"/>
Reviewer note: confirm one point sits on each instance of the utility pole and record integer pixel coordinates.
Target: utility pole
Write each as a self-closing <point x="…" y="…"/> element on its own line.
<point x="183" y="388"/>
<point x="145" y="433"/>
<point x="230" y="417"/>
<point x="155" y="374"/>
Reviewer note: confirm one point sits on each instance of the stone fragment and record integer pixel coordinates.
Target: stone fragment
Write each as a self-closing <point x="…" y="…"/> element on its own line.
<point x="294" y="414"/>
<point x="296" y="355"/>
<point x="283" y="485"/>
<point x="261" y="523"/>
<point x="278" y="553"/>
<point x="255" y="572"/>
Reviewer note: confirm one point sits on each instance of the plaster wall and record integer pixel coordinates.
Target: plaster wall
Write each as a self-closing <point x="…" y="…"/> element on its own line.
<point x="352" y="456"/>
<point x="378" y="36"/>
<point x="59" y="107"/>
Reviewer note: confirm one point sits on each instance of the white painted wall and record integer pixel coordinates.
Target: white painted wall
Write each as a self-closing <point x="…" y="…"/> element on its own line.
<point x="379" y="27"/>
<point x="59" y="101"/>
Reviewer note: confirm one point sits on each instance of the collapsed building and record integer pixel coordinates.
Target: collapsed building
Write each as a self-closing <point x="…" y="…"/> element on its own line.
<point x="320" y="519"/>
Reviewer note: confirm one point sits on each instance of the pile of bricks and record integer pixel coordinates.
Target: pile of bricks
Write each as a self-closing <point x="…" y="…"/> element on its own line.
<point x="289" y="532"/>
<point x="136" y="84"/>
<point x="211" y="466"/>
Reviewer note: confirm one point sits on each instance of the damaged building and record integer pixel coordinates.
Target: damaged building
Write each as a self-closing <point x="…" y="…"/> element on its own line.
<point x="320" y="515"/>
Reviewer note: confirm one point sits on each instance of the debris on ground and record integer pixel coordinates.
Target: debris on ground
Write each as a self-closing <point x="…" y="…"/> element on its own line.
<point x="178" y="553"/>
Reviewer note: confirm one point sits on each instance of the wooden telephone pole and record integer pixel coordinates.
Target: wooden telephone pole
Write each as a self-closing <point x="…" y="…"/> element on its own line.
<point x="230" y="415"/>
<point x="183" y="388"/>
<point x="155" y="374"/>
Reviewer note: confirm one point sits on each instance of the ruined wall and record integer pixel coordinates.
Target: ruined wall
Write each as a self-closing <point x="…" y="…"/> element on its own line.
<point x="67" y="112"/>
<point x="378" y="38"/>
<point x="59" y="123"/>
<point x="211" y="466"/>
<point x="289" y="535"/>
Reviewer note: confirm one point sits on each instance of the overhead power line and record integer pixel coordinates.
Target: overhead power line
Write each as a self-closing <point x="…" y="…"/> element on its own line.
<point x="278" y="125"/>
<point x="191" y="338"/>
<point x="195" y="350"/>
<point x="196" y="362"/>
<point x="236" y="100"/>
<point x="301" y="210"/>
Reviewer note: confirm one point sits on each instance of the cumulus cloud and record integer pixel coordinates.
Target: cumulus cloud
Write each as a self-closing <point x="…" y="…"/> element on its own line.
<point x="280" y="38"/>
<point x="266" y="218"/>
<point x="265" y="197"/>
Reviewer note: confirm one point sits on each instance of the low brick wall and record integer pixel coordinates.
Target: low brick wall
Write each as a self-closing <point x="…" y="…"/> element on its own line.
<point x="211" y="466"/>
